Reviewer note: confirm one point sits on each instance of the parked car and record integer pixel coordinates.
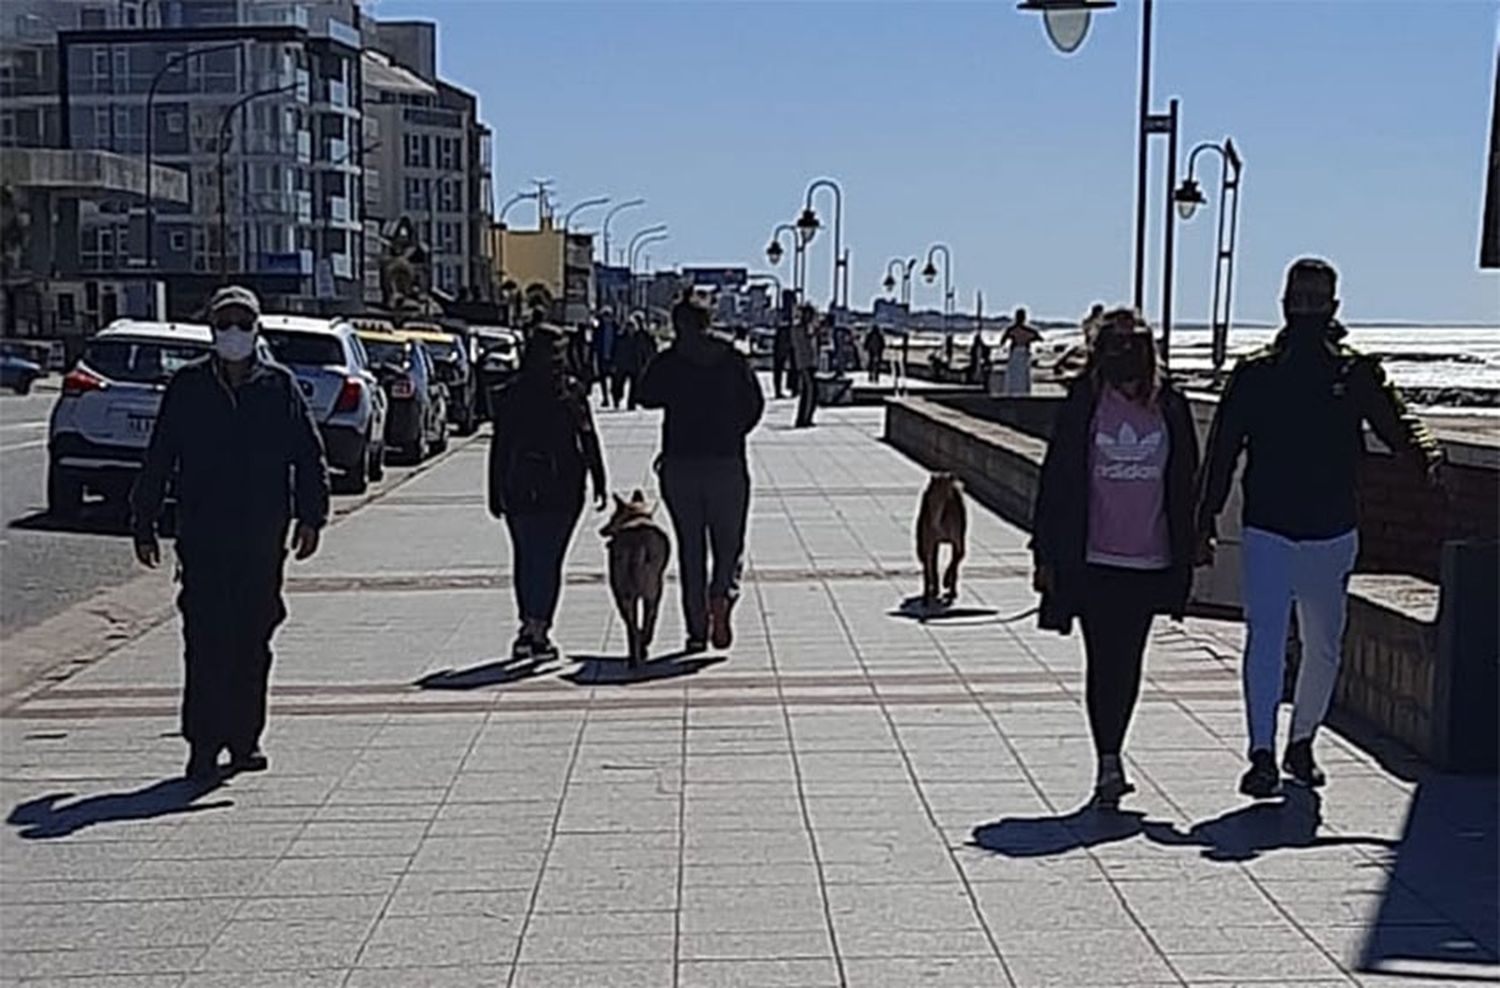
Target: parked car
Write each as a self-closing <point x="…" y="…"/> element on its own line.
<point x="340" y="385"/>
<point x="17" y="370"/>
<point x="497" y="359"/>
<point x="101" y="423"/>
<point x="450" y="357"/>
<point x="417" y="423"/>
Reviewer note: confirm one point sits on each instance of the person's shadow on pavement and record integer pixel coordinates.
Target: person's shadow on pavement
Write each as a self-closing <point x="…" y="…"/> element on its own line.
<point x="44" y="819"/>
<point x="602" y="670"/>
<point x="1046" y="836"/>
<point x="496" y="673"/>
<point x="1244" y="834"/>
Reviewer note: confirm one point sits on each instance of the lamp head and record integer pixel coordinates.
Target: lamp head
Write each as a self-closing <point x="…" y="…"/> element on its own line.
<point x="807" y="225"/>
<point x="1189" y="196"/>
<point x="889" y="283"/>
<point x="929" y="272"/>
<point x="774" y="252"/>
<point x="1066" y="21"/>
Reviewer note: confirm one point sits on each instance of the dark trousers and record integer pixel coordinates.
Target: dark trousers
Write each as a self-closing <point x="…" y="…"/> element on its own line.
<point x="1117" y="611"/>
<point x="604" y="381"/>
<point x="780" y="362"/>
<point x="807" y="395"/>
<point x="539" y="544"/>
<point x="875" y="361"/>
<point x="709" y="501"/>
<point x="618" y="380"/>
<point x="231" y="605"/>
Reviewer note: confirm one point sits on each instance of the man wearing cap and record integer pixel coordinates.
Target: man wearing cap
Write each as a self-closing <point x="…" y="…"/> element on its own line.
<point x="238" y="437"/>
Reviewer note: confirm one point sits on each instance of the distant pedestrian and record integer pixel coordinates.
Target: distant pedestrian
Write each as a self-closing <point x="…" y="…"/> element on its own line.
<point x="633" y="355"/>
<point x="875" y="352"/>
<point x="1019" y="336"/>
<point x="1091" y="323"/>
<point x="1297" y="408"/>
<point x="805" y="364"/>
<point x="605" y="347"/>
<point x="237" y="436"/>
<point x="543" y="447"/>
<point x="712" y="401"/>
<point x="979" y="359"/>
<point x="781" y="360"/>
<point x="1113" y="526"/>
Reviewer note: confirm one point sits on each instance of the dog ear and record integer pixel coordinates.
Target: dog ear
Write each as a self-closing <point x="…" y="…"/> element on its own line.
<point x="619" y="502"/>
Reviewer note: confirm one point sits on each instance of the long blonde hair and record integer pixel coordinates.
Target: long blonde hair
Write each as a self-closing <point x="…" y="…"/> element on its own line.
<point x="1123" y="321"/>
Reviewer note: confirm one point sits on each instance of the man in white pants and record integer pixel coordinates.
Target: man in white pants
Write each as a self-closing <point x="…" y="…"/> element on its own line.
<point x="1298" y="408"/>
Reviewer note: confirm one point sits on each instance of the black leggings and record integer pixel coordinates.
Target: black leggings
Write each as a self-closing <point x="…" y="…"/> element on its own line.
<point x="1118" y="606"/>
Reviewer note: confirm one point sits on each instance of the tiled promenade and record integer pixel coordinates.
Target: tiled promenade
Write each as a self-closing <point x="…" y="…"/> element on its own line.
<point x="849" y="798"/>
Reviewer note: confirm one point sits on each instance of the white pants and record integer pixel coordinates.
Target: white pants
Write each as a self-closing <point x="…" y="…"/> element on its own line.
<point x="1315" y="574"/>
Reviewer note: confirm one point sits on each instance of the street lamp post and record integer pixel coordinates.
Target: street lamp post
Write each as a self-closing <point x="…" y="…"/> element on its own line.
<point x="774" y="253"/>
<point x="223" y="146"/>
<point x="809" y="221"/>
<point x="929" y="274"/>
<point x="650" y="234"/>
<point x="911" y="263"/>
<point x="618" y="207"/>
<point x="586" y="204"/>
<point x="1189" y="196"/>
<point x="515" y="200"/>
<point x="161" y="73"/>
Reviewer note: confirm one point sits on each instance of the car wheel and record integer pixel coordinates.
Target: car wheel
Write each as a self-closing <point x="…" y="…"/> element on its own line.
<point x="377" y="463"/>
<point x="440" y="444"/>
<point x="64" y="494"/>
<point x="23" y="386"/>
<point x="355" y="479"/>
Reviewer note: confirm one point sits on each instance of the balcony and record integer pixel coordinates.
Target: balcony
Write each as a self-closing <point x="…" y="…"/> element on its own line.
<point x="336" y="152"/>
<point x="338" y="209"/>
<point x="343" y="265"/>
<point x="338" y="94"/>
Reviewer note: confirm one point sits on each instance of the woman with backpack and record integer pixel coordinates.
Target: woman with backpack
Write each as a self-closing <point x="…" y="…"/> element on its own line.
<point x="543" y="446"/>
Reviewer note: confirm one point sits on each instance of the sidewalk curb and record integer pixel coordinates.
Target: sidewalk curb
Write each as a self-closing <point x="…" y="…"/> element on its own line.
<point x="56" y="649"/>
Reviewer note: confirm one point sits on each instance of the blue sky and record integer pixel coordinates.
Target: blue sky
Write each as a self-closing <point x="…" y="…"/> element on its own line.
<point x="1363" y="123"/>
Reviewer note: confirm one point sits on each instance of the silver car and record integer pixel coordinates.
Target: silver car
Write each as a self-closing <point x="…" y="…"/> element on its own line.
<point x="347" y="402"/>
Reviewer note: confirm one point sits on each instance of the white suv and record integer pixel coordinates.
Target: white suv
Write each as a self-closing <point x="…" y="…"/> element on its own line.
<point x="102" y="423"/>
<point x="347" y="401"/>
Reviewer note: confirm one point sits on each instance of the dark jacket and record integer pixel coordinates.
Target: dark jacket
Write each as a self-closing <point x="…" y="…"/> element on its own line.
<point x="1060" y="518"/>
<point x="1300" y="416"/>
<point x="543" y="446"/>
<point x="634" y="351"/>
<point x="247" y="459"/>
<point x="710" y="395"/>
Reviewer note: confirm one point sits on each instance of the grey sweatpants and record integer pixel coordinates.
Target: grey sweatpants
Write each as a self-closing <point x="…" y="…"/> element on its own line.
<point x="709" y="501"/>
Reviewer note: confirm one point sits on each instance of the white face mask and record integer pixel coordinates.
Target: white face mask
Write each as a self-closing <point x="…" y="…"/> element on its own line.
<point x="234" y="344"/>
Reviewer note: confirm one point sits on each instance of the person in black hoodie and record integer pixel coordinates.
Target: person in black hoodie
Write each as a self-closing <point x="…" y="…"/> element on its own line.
<point x="1113" y="536"/>
<point x="712" y="401"/>
<point x="543" y="445"/>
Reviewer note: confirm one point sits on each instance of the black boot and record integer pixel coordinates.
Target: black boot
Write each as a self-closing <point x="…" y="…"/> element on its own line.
<point x="248" y="760"/>
<point x="1300" y="766"/>
<point x="203" y="763"/>
<point x="1262" y="781"/>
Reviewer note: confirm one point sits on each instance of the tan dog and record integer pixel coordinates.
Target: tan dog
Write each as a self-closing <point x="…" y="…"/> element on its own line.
<point x="942" y="519"/>
<point x="638" y="553"/>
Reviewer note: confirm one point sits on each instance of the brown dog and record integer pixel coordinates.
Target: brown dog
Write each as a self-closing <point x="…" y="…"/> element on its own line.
<point x="942" y="519"/>
<point x="638" y="553"/>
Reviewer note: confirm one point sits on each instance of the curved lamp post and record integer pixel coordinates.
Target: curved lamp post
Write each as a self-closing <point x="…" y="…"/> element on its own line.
<point x="892" y="269"/>
<point x="775" y="252"/>
<point x="1188" y="197"/>
<point x="223" y="146"/>
<point x="809" y="221"/>
<point x="930" y="272"/>
<point x="586" y="204"/>
<point x="618" y="207"/>
<point x="161" y="74"/>
<point x="515" y="200"/>
<point x="644" y="239"/>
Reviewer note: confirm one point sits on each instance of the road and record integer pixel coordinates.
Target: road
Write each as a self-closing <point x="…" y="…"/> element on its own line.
<point x="44" y="567"/>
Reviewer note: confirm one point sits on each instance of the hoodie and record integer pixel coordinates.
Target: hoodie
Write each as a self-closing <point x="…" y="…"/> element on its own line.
<point x="711" y="398"/>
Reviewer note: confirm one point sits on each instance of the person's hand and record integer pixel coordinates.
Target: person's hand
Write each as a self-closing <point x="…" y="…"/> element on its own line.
<point x="1042" y="578"/>
<point x="1204" y="551"/>
<point x="601" y="499"/>
<point x="148" y="552"/>
<point x="305" y="541"/>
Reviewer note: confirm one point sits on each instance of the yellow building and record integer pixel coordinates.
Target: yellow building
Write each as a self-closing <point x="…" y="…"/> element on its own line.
<point x="559" y="261"/>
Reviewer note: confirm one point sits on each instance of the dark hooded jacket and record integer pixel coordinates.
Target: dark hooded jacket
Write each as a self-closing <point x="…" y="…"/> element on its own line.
<point x="711" y="398"/>
<point x="1060" y="518"/>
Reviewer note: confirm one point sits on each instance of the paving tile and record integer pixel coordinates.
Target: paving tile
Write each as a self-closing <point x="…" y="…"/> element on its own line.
<point x="610" y="975"/>
<point x="938" y="971"/>
<point x="799" y="973"/>
<point x="417" y="941"/>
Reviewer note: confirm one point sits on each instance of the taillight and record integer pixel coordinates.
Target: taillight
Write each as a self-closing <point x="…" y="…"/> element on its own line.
<point x="349" y="395"/>
<point x="80" y="381"/>
<point x="402" y="387"/>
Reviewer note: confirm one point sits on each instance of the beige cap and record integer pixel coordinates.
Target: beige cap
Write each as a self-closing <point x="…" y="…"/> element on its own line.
<point x="233" y="297"/>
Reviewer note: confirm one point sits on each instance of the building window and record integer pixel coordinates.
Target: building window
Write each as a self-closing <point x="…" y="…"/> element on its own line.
<point x="177" y="241"/>
<point x="448" y="153"/>
<point x="418" y="193"/>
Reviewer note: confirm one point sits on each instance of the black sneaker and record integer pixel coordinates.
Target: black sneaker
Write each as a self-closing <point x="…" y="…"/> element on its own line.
<point x="1262" y="781"/>
<point x="1300" y="766"/>
<point x="523" y="649"/>
<point x="695" y="646"/>
<point x="1109" y="790"/>
<point x="253" y="760"/>
<point x="543" y="647"/>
